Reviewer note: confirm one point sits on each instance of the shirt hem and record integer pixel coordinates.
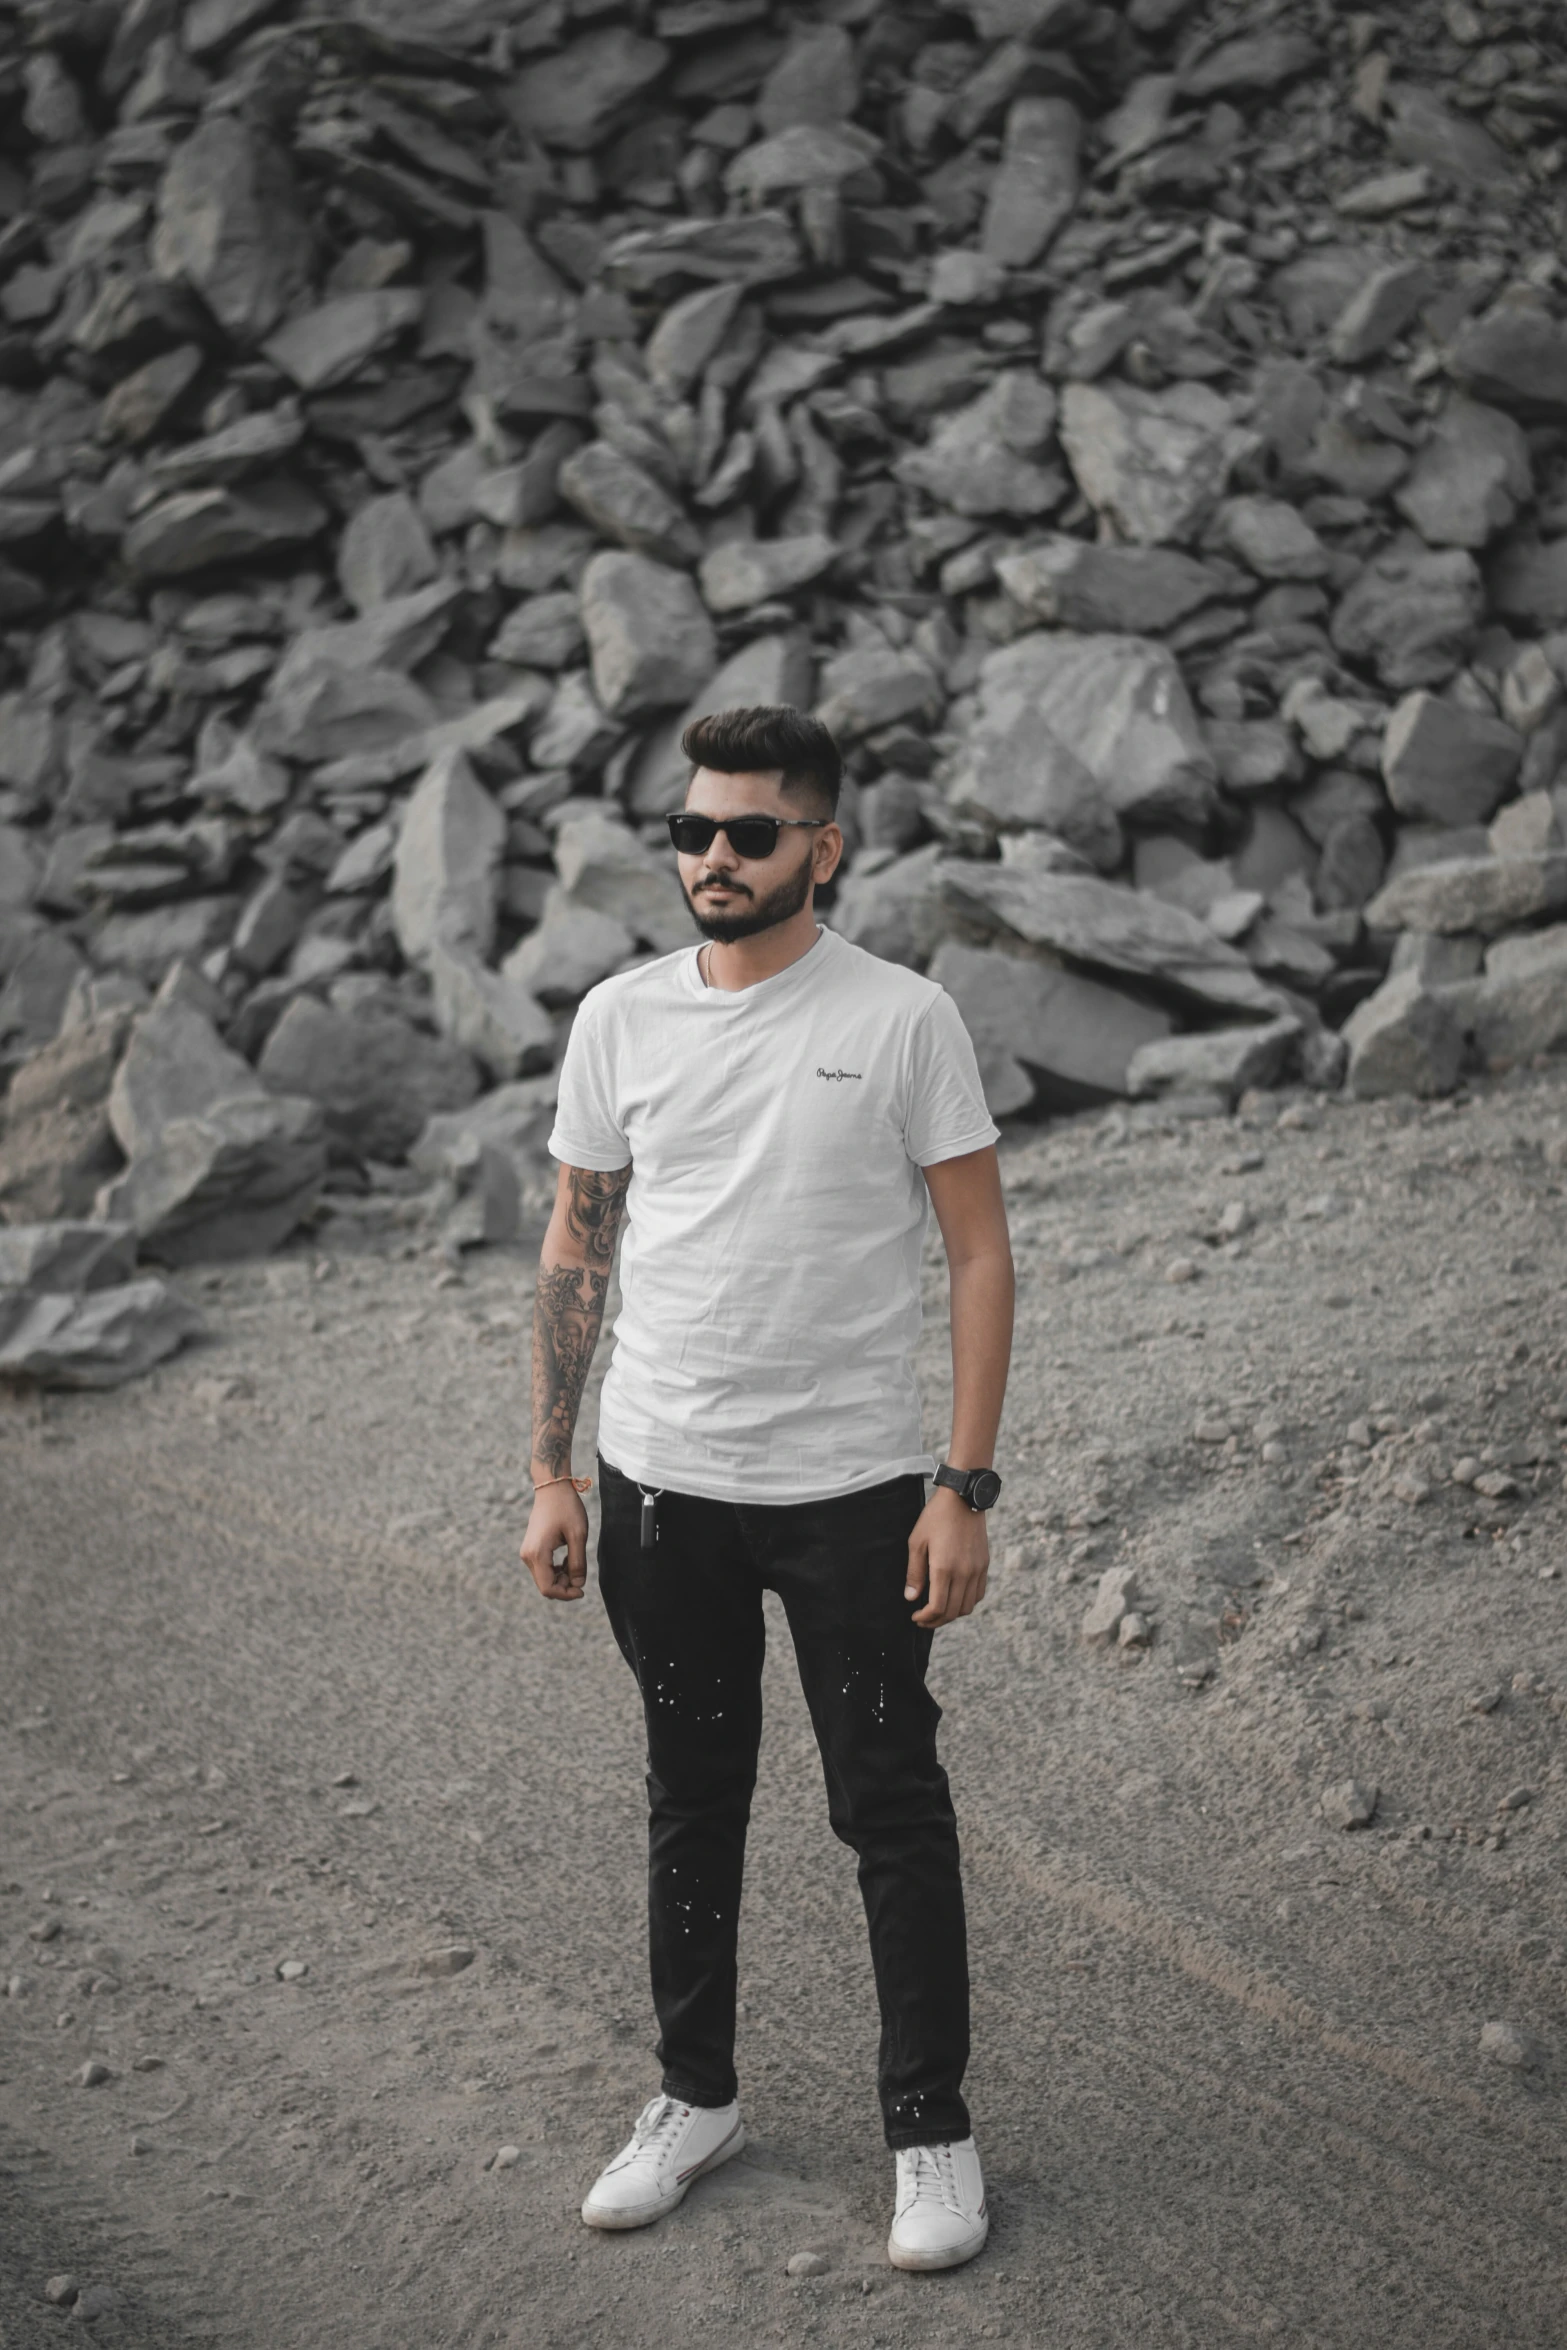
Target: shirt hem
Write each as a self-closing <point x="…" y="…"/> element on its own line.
<point x="961" y="1148"/>
<point x="702" y="1488"/>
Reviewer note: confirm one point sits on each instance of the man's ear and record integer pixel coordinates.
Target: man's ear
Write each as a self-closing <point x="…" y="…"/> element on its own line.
<point x="827" y="853"/>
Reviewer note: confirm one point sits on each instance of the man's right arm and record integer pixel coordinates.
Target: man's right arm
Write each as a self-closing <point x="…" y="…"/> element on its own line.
<point x="568" y="1307"/>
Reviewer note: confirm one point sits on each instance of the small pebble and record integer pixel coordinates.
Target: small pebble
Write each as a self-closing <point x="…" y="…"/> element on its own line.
<point x="292" y="1970"/>
<point x="95" y="2301"/>
<point x="1508" y="2044"/>
<point x="1180" y="1269"/>
<point x="147" y="2064"/>
<point x="1348" y="1804"/>
<point x="1516" y="1798"/>
<point x="61" y="2289"/>
<point x="45" y="1930"/>
<point x="140" y="2145"/>
<point x="507" y="2156"/>
<point x="808" y="2264"/>
<point x="450" y="1961"/>
<point x="93" y="2073"/>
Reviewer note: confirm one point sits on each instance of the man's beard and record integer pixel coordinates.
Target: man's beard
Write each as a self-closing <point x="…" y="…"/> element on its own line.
<point x="745" y="921"/>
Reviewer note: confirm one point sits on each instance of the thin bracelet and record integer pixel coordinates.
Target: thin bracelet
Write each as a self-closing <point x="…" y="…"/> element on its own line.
<point x="583" y="1484"/>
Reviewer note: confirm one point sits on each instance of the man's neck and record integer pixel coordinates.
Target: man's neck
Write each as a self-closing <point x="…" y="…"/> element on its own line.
<point x="741" y="962"/>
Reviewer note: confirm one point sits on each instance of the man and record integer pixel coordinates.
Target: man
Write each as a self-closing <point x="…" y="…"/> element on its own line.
<point x="772" y="1113"/>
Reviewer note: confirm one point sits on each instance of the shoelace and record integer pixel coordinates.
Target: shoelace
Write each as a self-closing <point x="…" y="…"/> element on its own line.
<point x="658" y="2120"/>
<point x="934" y="2180"/>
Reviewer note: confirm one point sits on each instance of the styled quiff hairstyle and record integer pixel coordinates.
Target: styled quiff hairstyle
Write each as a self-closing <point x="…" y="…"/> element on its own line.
<point x="771" y="736"/>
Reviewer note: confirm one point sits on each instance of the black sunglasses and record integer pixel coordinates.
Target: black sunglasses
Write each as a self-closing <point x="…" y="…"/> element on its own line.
<point x="751" y="837"/>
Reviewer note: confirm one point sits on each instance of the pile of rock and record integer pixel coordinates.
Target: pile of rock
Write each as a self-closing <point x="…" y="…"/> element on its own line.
<point x="1138" y="431"/>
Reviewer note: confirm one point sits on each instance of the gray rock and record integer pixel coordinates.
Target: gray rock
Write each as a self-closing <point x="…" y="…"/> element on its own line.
<point x="1271" y="539"/>
<point x="1353" y="865"/>
<point x="1044" y="1038"/>
<point x="231" y="227"/>
<point x="1445" y="764"/>
<point x="1437" y="962"/>
<point x="175" y="1066"/>
<point x="603" y="865"/>
<point x="1510" y="2045"/>
<point x="873" y="686"/>
<point x="573" y="948"/>
<point x="37" y="989"/>
<point x="99" y="1340"/>
<point x="1519" y="1008"/>
<point x="1035" y="185"/>
<point x="1250" y="64"/>
<point x="575" y="732"/>
<point x="376" y="1078"/>
<point x="1114" y="705"/>
<point x="1348" y="1804"/>
<point x="397" y="635"/>
<point x="1533" y="826"/>
<point x="66" y="1257"/>
<point x="983" y="460"/>
<point x="1378" y="313"/>
<point x="141" y="401"/>
<point x="446" y="870"/>
<point x="649" y="634"/>
<point x="1529" y="581"/>
<point x="752" y="251"/>
<point x="514" y="1119"/>
<point x="1252" y="754"/>
<point x="544" y="632"/>
<point x="815" y="80"/>
<point x="741" y="572"/>
<point x="1484" y="894"/>
<point x="57" y="1146"/>
<point x="688" y="335"/>
<point x="196" y="529"/>
<point x="1406" y="1038"/>
<point x="232" y="1183"/>
<point x="1110" y="929"/>
<point x="251" y="445"/>
<point x="573" y="98"/>
<point x="803" y="157"/>
<point x="487" y="1208"/>
<point x="1411" y="612"/>
<point x="1227" y="1061"/>
<point x="624" y="503"/>
<point x="895" y="910"/>
<point x="331" y="343"/>
<point x="1072" y="584"/>
<point x="1115" y="1596"/>
<point x="1514" y="356"/>
<point x="1469" y="479"/>
<point x="384" y="552"/>
<point x="1156" y="464"/>
<point x="490" y="1014"/>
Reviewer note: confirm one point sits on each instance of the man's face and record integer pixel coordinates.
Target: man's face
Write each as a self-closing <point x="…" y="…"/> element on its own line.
<point x="732" y="897"/>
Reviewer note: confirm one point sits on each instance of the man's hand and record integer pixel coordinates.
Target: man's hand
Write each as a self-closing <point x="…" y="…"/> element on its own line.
<point x="557" y="1523"/>
<point x="949" y="1551"/>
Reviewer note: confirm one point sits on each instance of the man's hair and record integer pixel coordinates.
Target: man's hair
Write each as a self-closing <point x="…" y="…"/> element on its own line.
<point x="771" y="736"/>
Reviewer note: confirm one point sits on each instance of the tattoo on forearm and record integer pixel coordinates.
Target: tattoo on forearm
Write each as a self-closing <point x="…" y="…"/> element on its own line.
<point x="568" y="1307"/>
<point x="594" y="1204"/>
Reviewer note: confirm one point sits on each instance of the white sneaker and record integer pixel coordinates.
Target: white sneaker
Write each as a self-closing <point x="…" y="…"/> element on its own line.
<point x="671" y="2145"/>
<point x="941" y="2219"/>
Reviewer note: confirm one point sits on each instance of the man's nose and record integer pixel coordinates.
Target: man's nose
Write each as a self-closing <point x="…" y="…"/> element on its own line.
<point x="720" y="856"/>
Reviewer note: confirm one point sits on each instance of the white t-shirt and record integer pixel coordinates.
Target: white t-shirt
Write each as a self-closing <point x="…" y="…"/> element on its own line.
<point x="775" y="1218"/>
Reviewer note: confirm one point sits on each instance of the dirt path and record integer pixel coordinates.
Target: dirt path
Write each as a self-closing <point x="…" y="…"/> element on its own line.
<point x="272" y="1692"/>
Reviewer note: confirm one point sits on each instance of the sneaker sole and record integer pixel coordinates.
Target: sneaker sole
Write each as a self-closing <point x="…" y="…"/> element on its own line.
<point x="642" y="2215"/>
<point x="925" y="2262"/>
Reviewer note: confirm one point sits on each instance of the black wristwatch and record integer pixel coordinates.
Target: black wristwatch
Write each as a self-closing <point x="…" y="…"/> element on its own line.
<point x="980" y="1488"/>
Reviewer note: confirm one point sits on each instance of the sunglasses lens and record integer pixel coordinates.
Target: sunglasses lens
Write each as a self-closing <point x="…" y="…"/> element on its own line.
<point x="752" y="836"/>
<point x="692" y="835"/>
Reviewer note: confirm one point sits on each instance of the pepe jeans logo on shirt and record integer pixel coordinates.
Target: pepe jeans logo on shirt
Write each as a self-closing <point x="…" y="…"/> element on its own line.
<point x="837" y="1076"/>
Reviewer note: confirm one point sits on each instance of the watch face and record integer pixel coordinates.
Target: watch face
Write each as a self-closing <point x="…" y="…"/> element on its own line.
<point x="985" y="1490"/>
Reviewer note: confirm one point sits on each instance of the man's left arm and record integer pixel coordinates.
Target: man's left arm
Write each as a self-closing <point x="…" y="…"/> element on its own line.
<point x="949" y="1551"/>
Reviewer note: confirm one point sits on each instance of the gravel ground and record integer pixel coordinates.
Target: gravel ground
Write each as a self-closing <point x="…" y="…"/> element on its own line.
<point x="275" y="1691"/>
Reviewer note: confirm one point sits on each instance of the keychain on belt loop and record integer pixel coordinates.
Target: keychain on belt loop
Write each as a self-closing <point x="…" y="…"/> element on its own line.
<point x="650" y="1495"/>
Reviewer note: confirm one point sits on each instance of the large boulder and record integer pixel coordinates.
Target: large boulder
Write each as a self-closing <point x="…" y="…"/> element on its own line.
<point x="1405" y="1038"/>
<point x="1483" y="894"/>
<point x="230" y="226"/>
<point x="893" y="906"/>
<point x="1469" y="479"/>
<point x="1078" y="732"/>
<point x="1216" y="1060"/>
<point x="649" y="636"/>
<point x="100" y="1340"/>
<point x="604" y="866"/>
<point x="175" y="1066"/>
<point x="1516" y="356"/>
<point x="56" y="1145"/>
<point x="1155" y="464"/>
<point x="775" y="668"/>
<point x="1071" y="583"/>
<point x="571" y="949"/>
<point x="1446" y="764"/>
<point x="376" y="1079"/>
<point x="1106" y="928"/>
<point x="1519" y="1008"/>
<point x="446" y="880"/>
<point x="1411" y="613"/>
<point x="1035" y="185"/>
<point x="491" y="1015"/>
<point x="988" y="457"/>
<point x="1044" y="1038"/>
<point x="233" y="1182"/>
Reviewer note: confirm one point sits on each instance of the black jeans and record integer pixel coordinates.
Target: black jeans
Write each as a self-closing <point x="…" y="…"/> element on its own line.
<point x="688" y="1616"/>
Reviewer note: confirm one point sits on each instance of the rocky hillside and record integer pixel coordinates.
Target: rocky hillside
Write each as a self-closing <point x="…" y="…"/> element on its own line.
<point x="1141" y="433"/>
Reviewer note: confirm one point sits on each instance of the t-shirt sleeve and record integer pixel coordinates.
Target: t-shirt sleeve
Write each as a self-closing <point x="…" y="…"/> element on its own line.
<point x="587" y="1132"/>
<point x="946" y="1113"/>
